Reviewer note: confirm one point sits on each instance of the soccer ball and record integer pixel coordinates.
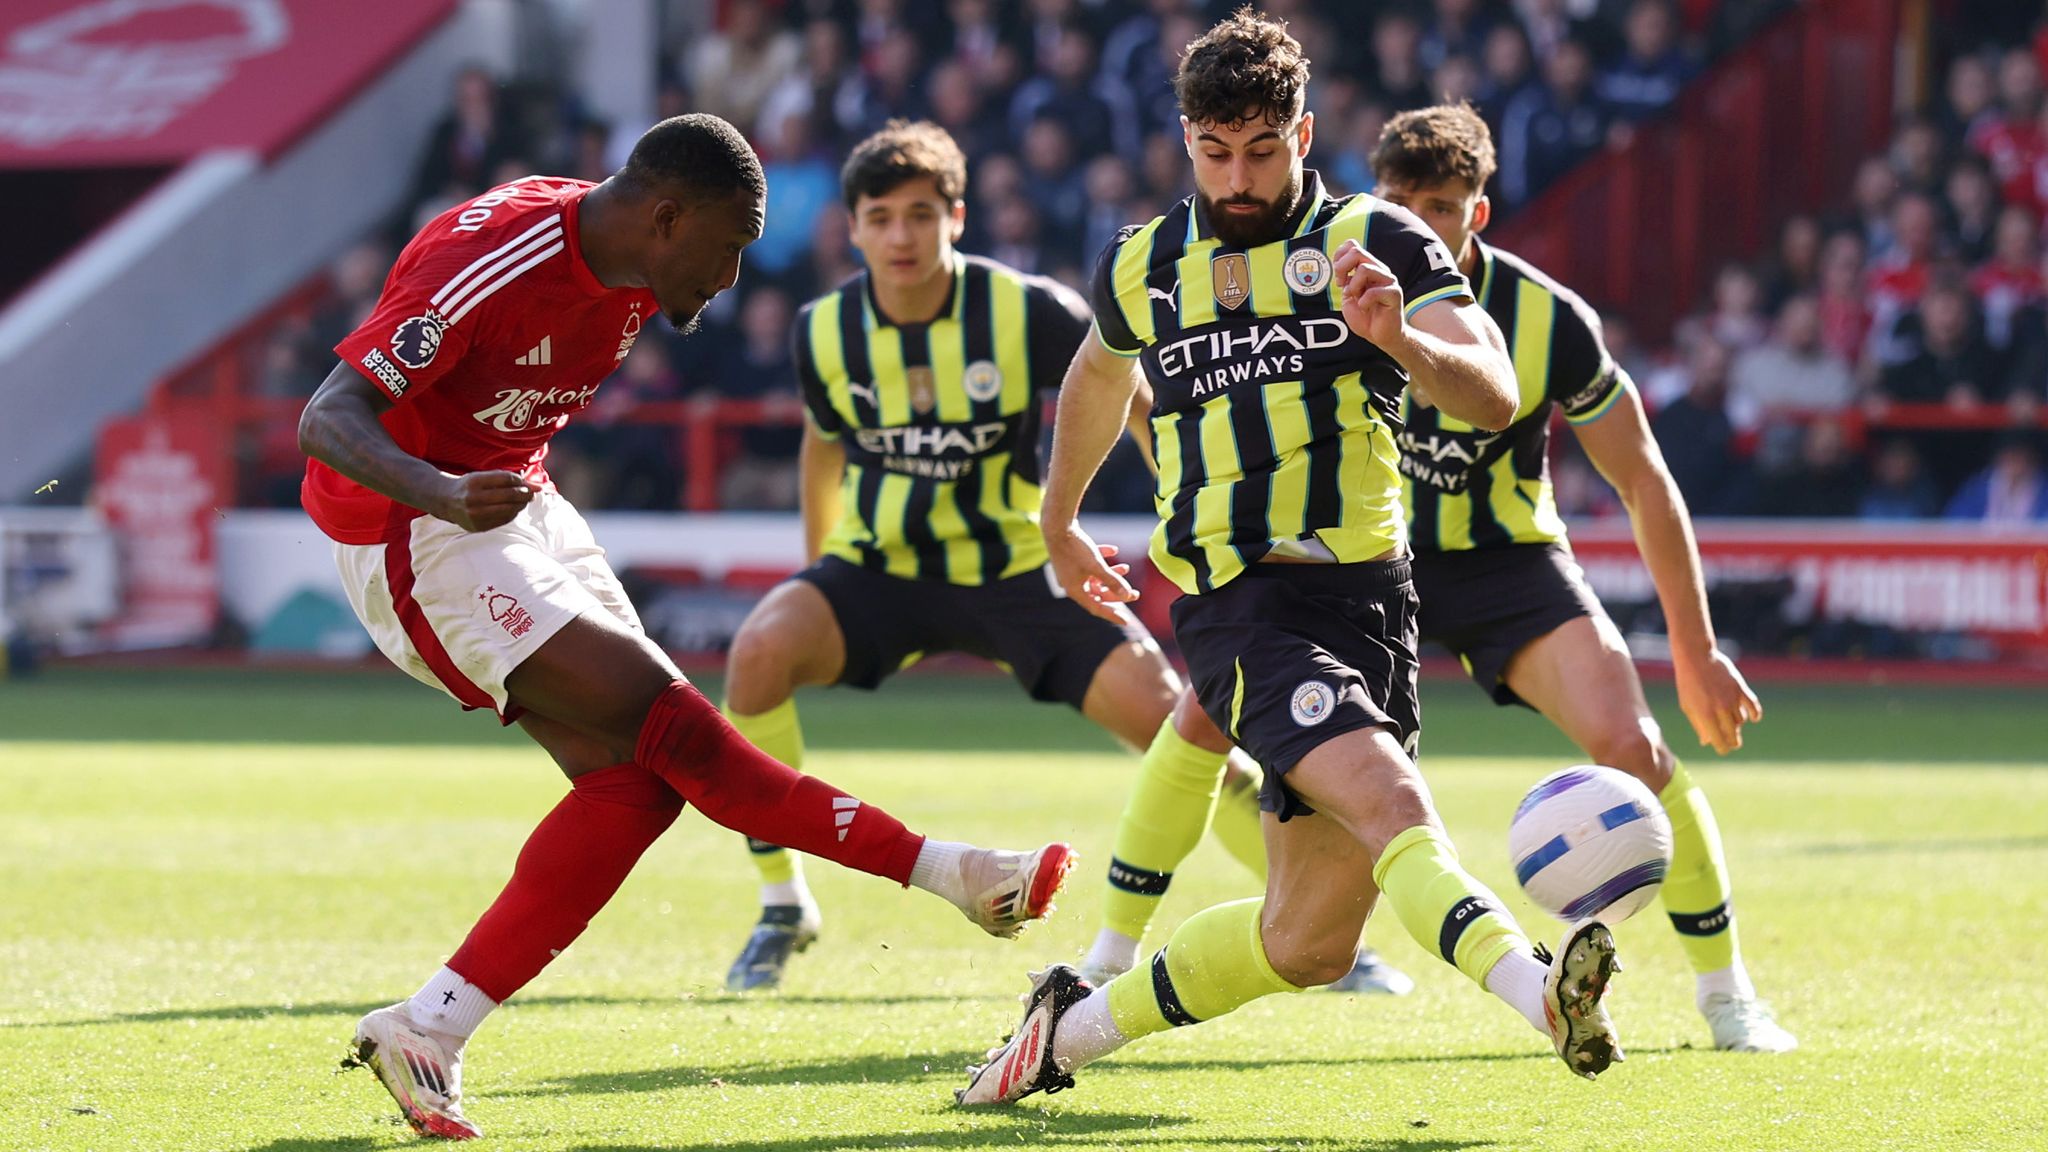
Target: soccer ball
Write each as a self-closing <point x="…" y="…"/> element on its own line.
<point x="1590" y="842"/>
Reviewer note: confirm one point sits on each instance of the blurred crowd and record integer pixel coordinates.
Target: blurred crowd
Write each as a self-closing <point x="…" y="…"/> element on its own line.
<point x="1921" y="300"/>
<point x="1927" y="286"/>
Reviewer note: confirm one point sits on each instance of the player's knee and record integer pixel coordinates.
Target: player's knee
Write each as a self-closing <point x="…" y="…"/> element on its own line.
<point x="1638" y="749"/>
<point x="1311" y="962"/>
<point x="1194" y="726"/>
<point x="1155" y="687"/>
<point x="757" y="669"/>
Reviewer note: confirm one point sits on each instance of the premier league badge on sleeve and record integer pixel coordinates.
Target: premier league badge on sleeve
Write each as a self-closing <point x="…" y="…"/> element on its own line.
<point x="418" y="339"/>
<point x="1308" y="271"/>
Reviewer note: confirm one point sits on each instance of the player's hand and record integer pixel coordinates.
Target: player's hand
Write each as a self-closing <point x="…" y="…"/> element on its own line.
<point x="1373" y="303"/>
<point x="1717" y="700"/>
<point x="481" y="501"/>
<point x="1083" y="568"/>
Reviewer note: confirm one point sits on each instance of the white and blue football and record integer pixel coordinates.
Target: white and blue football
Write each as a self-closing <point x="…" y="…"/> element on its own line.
<point x="1590" y="842"/>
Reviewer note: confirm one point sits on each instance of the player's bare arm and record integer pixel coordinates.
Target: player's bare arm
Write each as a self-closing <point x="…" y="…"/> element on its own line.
<point x="821" y="463"/>
<point x="340" y="428"/>
<point x="1711" y="691"/>
<point x="1139" y="422"/>
<point x="1095" y="404"/>
<point x="1455" y="357"/>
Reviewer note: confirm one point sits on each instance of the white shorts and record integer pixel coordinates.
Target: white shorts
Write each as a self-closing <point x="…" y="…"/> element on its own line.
<point x="460" y="610"/>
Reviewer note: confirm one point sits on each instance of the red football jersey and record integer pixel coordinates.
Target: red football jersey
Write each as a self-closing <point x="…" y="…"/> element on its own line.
<point x="490" y="332"/>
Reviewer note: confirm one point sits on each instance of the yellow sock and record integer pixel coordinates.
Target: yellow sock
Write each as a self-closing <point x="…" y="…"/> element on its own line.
<point x="1696" y="889"/>
<point x="1236" y="823"/>
<point x="1444" y="908"/>
<point x="1214" y="963"/>
<point x="777" y="733"/>
<point x="1162" y="822"/>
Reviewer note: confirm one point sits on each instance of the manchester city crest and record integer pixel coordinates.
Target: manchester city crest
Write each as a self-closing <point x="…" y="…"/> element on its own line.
<point x="983" y="381"/>
<point x="1308" y="271"/>
<point x="1312" y="702"/>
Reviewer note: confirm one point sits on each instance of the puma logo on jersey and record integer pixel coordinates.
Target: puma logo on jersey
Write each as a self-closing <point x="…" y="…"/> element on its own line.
<point x="1166" y="294"/>
<point x="864" y="390"/>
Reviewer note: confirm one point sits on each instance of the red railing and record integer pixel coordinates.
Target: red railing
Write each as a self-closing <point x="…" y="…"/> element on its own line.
<point x="1777" y="127"/>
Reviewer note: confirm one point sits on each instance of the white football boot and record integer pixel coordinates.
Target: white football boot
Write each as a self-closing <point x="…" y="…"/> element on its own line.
<point x="1745" y="1024"/>
<point x="1013" y="888"/>
<point x="1023" y="1064"/>
<point x="1579" y="1025"/>
<point x="422" y="1072"/>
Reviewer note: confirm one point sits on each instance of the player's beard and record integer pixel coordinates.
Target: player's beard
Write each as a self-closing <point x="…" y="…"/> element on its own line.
<point x="1262" y="227"/>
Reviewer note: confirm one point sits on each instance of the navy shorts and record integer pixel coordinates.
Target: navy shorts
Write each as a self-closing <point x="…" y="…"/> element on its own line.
<point x="1487" y="604"/>
<point x="1052" y="645"/>
<point x="1287" y="657"/>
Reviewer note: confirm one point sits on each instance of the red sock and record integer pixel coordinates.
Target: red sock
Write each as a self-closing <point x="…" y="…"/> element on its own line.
<point x="688" y="743"/>
<point x="569" y="868"/>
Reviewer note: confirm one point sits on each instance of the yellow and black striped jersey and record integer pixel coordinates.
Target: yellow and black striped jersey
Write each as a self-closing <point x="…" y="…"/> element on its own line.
<point x="1273" y="423"/>
<point x="1465" y="488"/>
<point x="940" y="421"/>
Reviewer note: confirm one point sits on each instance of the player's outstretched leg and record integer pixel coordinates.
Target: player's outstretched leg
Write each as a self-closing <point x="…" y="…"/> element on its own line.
<point x="689" y="743"/>
<point x="1303" y="933"/>
<point x="1213" y="964"/>
<point x="1324" y="884"/>
<point x="614" y="683"/>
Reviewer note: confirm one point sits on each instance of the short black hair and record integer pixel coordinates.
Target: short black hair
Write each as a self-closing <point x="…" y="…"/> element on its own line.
<point x="904" y="150"/>
<point x="1247" y="64"/>
<point x="698" y="155"/>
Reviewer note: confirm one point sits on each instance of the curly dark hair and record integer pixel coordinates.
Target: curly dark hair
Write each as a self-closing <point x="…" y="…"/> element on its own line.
<point x="1430" y="146"/>
<point x="1245" y="66"/>
<point x="904" y="150"/>
<point x="699" y="156"/>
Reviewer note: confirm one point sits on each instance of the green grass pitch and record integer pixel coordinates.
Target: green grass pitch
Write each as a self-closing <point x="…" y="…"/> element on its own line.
<point x="206" y="877"/>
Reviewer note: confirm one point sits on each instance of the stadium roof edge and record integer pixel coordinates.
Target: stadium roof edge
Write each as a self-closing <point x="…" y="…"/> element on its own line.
<point x="86" y="341"/>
